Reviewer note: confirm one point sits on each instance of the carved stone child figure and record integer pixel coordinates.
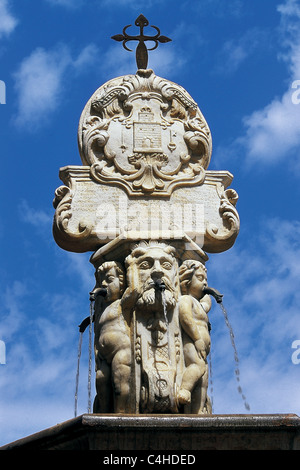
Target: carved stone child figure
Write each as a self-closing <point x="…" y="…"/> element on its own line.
<point x="193" y="308"/>
<point x="112" y="342"/>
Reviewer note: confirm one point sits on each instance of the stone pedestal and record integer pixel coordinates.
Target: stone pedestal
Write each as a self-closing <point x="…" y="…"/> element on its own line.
<point x="178" y="434"/>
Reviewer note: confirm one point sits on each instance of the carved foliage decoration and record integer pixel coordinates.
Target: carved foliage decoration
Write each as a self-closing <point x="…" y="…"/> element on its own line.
<point x="144" y="134"/>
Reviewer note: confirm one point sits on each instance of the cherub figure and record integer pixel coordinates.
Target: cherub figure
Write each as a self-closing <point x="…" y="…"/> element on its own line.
<point x="194" y="306"/>
<point x="112" y="342"/>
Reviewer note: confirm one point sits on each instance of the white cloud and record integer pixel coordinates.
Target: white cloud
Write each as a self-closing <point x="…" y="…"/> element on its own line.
<point x="273" y="133"/>
<point x="13" y="318"/>
<point x="38" y="218"/>
<point x="39" y="82"/>
<point x="85" y="58"/>
<point x="7" y="21"/>
<point x="235" y="52"/>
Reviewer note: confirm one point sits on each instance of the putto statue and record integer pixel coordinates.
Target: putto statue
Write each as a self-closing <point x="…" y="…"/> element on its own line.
<point x="148" y="209"/>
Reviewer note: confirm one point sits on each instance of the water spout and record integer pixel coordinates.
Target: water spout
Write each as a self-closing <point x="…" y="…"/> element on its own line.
<point x="90" y="356"/>
<point x="77" y="372"/>
<point x="216" y="294"/>
<point x="102" y="291"/>
<point x="159" y="285"/>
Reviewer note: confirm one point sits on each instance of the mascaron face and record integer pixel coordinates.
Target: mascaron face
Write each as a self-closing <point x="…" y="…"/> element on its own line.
<point x="156" y="264"/>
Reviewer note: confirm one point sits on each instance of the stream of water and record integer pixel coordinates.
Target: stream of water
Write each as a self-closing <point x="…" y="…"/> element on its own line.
<point x="89" y="410"/>
<point x="211" y="382"/>
<point x="236" y="358"/>
<point x="166" y="320"/>
<point x="77" y="372"/>
<point x="81" y="331"/>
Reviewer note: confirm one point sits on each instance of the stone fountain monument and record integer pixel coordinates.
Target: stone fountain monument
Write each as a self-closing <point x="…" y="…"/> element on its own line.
<point x="146" y="206"/>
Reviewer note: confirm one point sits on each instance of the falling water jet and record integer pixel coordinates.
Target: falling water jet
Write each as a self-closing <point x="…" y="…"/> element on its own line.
<point x="219" y="299"/>
<point x="82" y="327"/>
<point x="77" y="372"/>
<point x="88" y="321"/>
<point x="93" y="295"/>
<point x="160" y="286"/>
<point x="211" y="382"/>
<point x="90" y="355"/>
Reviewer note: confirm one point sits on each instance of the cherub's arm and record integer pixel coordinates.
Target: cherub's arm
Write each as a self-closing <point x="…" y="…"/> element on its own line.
<point x="206" y="303"/>
<point x="131" y="293"/>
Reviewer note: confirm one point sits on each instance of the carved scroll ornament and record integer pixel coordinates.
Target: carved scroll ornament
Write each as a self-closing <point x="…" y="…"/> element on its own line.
<point x="231" y="222"/>
<point x="63" y="205"/>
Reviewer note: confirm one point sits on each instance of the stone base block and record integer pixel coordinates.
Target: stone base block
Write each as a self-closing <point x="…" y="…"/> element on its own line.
<point x="167" y="432"/>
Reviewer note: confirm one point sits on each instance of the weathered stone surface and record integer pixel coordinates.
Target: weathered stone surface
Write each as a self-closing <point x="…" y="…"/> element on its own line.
<point x="89" y="215"/>
<point x="172" y="433"/>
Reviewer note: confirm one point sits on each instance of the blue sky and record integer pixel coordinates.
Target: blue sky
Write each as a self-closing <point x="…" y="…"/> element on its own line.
<point x="240" y="61"/>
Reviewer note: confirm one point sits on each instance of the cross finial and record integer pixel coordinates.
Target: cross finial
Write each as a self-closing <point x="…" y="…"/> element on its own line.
<point x="141" y="50"/>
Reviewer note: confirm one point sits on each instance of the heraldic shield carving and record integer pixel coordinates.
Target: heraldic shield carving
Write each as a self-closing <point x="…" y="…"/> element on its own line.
<point x="144" y="134"/>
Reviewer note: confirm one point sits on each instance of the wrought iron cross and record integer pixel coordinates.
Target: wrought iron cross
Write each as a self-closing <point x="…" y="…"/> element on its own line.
<point x="141" y="50"/>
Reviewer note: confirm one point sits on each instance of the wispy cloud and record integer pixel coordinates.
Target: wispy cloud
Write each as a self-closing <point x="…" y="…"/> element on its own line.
<point x="133" y="4"/>
<point x="117" y="61"/>
<point x="38" y="218"/>
<point x="67" y="3"/>
<point x="7" y="21"/>
<point x="235" y="52"/>
<point x="218" y="8"/>
<point x="273" y="132"/>
<point x="39" y="82"/>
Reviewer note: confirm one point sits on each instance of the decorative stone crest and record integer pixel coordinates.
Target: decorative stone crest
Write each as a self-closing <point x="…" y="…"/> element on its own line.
<point x="144" y="134"/>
